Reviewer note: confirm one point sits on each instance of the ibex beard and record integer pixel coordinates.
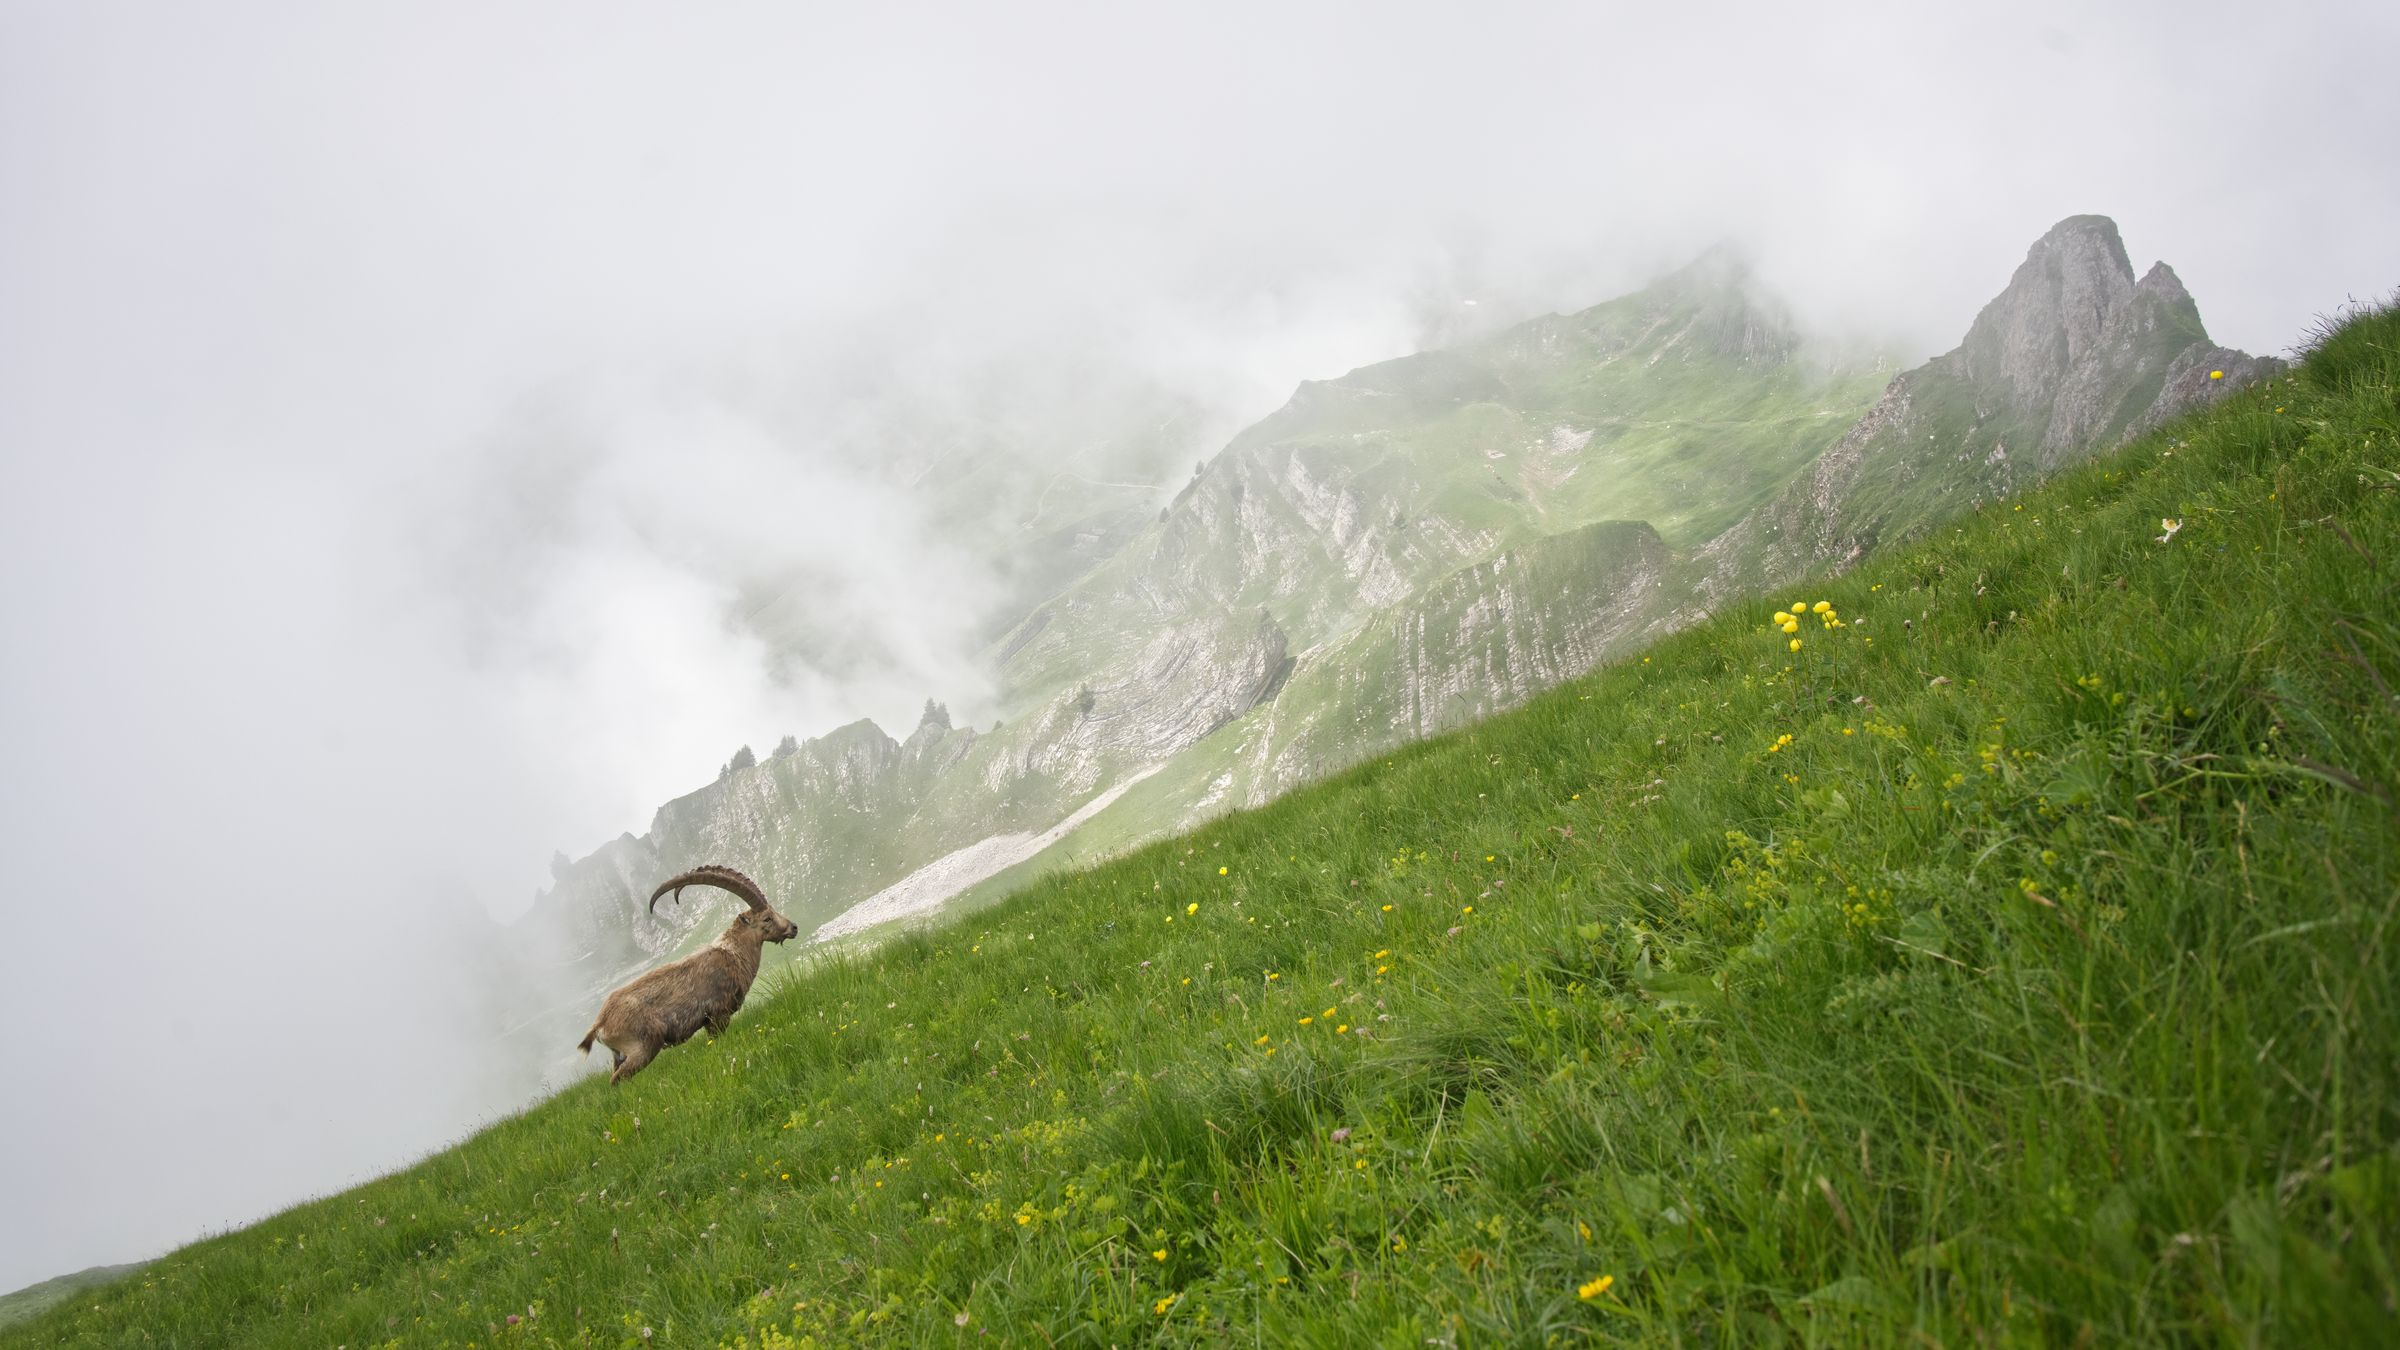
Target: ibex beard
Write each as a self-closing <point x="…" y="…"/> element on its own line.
<point x="671" y="1004"/>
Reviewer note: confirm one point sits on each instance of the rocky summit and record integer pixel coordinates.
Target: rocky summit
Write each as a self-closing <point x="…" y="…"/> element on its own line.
<point x="2078" y="355"/>
<point x="2073" y="357"/>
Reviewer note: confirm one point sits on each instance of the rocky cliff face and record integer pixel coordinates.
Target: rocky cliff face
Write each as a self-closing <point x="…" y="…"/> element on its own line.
<point x="820" y="821"/>
<point x="1483" y="639"/>
<point x="850" y="814"/>
<point x="2075" y="355"/>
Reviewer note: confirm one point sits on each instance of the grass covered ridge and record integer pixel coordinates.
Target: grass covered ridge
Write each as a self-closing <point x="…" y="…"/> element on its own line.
<point x="2013" y="962"/>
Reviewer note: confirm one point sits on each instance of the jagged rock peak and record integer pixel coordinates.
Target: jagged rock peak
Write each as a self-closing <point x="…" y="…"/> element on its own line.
<point x="1731" y="312"/>
<point x="2073" y="283"/>
<point x="2092" y="231"/>
<point x="2161" y="283"/>
<point x="1722" y="265"/>
<point x="2074" y="356"/>
<point x="932" y="725"/>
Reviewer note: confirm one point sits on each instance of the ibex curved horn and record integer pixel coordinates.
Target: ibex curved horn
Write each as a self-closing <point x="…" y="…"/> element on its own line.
<point x="723" y="878"/>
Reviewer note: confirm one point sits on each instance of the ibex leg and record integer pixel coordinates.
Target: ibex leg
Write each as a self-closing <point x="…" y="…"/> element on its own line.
<point x="630" y="1062"/>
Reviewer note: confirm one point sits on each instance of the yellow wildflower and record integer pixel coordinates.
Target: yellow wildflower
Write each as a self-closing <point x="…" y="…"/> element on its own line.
<point x="1795" y="644"/>
<point x="1159" y="1255"/>
<point x="1163" y="1304"/>
<point x="1192" y="908"/>
<point x="1327" y="1013"/>
<point x="1820" y="607"/>
<point x="1595" y="1288"/>
<point x="1220" y="871"/>
<point x="1382" y="954"/>
<point x="2216" y="374"/>
<point x="1306" y="1020"/>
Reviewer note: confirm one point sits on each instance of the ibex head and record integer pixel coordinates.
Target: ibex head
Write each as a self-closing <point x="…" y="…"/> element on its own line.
<point x="760" y="923"/>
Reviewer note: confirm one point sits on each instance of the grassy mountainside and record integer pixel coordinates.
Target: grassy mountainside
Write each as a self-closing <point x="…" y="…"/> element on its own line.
<point x="2013" y="961"/>
<point x="35" y="1298"/>
<point x="1685" y="405"/>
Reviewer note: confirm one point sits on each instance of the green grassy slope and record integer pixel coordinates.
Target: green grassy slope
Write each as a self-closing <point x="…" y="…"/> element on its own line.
<point x="2015" y="962"/>
<point x="35" y="1298"/>
<point x="1688" y="429"/>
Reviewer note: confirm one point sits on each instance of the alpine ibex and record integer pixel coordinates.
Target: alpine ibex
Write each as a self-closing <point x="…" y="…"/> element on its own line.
<point x="670" y="1004"/>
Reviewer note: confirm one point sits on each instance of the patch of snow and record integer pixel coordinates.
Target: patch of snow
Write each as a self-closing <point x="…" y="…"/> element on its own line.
<point x="924" y="890"/>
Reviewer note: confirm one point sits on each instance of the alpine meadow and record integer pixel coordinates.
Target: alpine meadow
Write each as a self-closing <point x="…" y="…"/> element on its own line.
<point x="1986" y="939"/>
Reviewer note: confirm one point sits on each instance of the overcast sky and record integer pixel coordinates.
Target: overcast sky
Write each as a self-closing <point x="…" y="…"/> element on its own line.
<point x="395" y="398"/>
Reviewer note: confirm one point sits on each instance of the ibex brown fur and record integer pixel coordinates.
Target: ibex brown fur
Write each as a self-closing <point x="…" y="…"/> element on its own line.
<point x="669" y="1005"/>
